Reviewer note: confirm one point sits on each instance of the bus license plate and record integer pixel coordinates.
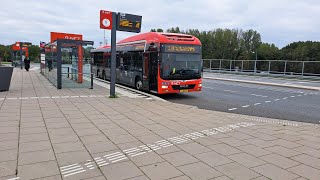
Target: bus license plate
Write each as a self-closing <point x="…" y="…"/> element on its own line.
<point x="185" y="90"/>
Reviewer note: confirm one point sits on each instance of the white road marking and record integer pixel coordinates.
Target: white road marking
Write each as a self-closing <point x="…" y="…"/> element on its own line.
<point x="285" y="98"/>
<point x="232" y="109"/>
<point x="257" y="95"/>
<point x="246" y="106"/>
<point x="293" y="96"/>
<point x="256" y="104"/>
<point x="1" y="99"/>
<point x="299" y="95"/>
<point x="267" y="101"/>
<point x="68" y="166"/>
<point x="277" y="99"/>
<point x="230" y="91"/>
<point x="12" y="98"/>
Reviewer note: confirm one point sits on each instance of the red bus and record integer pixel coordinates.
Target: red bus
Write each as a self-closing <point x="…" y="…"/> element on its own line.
<point x="161" y="63"/>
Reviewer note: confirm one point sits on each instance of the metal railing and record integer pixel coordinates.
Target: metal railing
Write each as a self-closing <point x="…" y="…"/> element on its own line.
<point x="298" y="69"/>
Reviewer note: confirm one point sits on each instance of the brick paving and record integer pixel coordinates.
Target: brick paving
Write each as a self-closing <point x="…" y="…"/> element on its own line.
<point x="47" y="133"/>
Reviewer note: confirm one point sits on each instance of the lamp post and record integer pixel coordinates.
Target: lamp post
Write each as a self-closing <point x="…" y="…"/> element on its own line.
<point x="255" y="62"/>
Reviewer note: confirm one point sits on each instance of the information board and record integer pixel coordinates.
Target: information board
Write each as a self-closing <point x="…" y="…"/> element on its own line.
<point x="129" y="22"/>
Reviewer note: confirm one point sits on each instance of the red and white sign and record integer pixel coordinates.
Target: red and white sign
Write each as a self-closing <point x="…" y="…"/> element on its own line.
<point x="57" y="35"/>
<point x="105" y="19"/>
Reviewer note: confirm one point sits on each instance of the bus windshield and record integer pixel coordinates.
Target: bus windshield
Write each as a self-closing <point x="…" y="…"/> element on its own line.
<point x="179" y="66"/>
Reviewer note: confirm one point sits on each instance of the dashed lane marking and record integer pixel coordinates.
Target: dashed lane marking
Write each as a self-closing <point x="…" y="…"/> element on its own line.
<point x="232" y="109"/>
<point x="230" y="91"/>
<point x="257" y="95"/>
<point x="14" y="178"/>
<point x="256" y="104"/>
<point x="105" y="160"/>
<point x="267" y="101"/>
<point x="246" y="106"/>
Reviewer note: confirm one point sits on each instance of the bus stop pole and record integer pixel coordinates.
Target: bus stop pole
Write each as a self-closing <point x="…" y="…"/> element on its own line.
<point x="113" y="55"/>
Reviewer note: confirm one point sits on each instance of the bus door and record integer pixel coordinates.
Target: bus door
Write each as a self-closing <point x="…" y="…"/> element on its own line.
<point x="150" y="71"/>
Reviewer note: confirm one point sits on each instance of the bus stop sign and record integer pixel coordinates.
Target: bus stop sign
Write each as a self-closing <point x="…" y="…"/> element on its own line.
<point x="129" y="22"/>
<point x="105" y="19"/>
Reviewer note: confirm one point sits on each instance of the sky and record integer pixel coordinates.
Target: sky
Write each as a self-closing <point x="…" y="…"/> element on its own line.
<point x="278" y="21"/>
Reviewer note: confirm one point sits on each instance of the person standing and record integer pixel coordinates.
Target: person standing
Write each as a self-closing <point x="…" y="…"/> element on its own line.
<point x="26" y="63"/>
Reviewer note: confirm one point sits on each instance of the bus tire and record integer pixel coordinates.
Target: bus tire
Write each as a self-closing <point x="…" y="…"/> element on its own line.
<point x="138" y="83"/>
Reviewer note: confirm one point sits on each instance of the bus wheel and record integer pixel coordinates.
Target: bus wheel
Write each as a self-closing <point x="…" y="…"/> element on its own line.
<point x="138" y="83"/>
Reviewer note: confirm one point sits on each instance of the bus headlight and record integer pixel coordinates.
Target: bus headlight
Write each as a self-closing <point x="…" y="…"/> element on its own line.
<point x="164" y="87"/>
<point x="200" y="85"/>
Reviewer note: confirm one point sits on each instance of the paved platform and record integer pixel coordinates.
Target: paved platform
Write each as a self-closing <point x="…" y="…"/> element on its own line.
<point x="53" y="134"/>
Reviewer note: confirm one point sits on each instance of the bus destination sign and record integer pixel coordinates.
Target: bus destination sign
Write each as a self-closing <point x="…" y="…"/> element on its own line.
<point x="129" y="22"/>
<point x="181" y="49"/>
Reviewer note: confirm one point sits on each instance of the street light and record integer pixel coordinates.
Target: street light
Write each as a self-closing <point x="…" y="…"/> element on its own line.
<point x="255" y="62"/>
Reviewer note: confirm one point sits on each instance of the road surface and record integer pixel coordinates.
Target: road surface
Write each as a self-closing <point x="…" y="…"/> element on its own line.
<point x="257" y="100"/>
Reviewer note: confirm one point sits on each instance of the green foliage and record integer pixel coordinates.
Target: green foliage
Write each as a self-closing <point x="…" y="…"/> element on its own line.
<point x="34" y="53"/>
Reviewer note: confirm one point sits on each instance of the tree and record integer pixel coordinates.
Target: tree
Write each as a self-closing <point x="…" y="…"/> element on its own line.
<point x="34" y="52"/>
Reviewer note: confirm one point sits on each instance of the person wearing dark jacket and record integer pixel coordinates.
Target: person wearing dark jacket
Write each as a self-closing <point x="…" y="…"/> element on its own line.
<point x="26" y="63"/>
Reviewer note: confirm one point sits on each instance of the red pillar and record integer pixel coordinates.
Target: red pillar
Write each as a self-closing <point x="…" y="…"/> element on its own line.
<point x="80" y="64"/>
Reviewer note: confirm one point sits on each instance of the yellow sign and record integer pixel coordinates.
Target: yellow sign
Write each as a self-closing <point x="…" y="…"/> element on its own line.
<point x="173" y="48"/>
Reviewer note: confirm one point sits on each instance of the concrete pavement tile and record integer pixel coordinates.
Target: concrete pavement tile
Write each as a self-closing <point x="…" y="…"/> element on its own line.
<point x="253" y="150"/>
<point x="233" y="141"/>
<point x="68" y="147"/>
<point x="199" y="171"/>
<point x="308" y="160"/>
<point x="58" y="125"/>
<point x="246" y="160"/>
<point x="114" y="132"/>
<point x="156" y="171"/>
<point x="36" y="130"/>
<point x="9" y="123"/>
<point x="150" y="139"/>
<point x="240" y="135"/>
<point x="57" y="139"/>
<point x="213" y="159"/>
<point x="181" y="178"/>
<point x="6" y="145"/>
<point x="260" y="143"/>
<point x="96" y="178"/>
<point x="141" y="132"/>
<point x="120" y="139"/>
<point x="32" y="124"/>
<point x="283" y="151"/>
<point x="34" y="137"/>
<point x="57" y="177"/>
<point x="221" y="178"/>
<point x="207" y="141"/>
<point x="34" y="146"/>
<point x="179" y="158"/>
<point x="88" y="132"/>
<point x="147" y="159"/>
<point x="194" y="148"/>
<point x="280" y="161"/>
<point x="68" y="158"/>
<point x="36" y="157"/>
<point x="94" y="139"/>
<point x="5" y="130"/>
<point x="309" y="144"/>
<point x="237" y="171"/>
<point x="224" y="149"/>
<point x="123" y="170"/>
<point x="309" y="151"/>
<point x="8" y="168"/>
<point x="275" y="173"/>
<point x="169" y="149"/>
<point x="60" y="131"/>
<point x="80" y="126"/>
<point x="285" y="143"/>
<point x="101" y="147"/>
<point x="38" y="170"/>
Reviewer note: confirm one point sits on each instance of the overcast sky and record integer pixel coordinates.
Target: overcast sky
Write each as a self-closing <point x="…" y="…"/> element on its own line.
<point x="278" y="21"/>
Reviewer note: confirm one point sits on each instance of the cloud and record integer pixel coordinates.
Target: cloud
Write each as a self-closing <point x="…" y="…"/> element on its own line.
<point x="279" y="21"/>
